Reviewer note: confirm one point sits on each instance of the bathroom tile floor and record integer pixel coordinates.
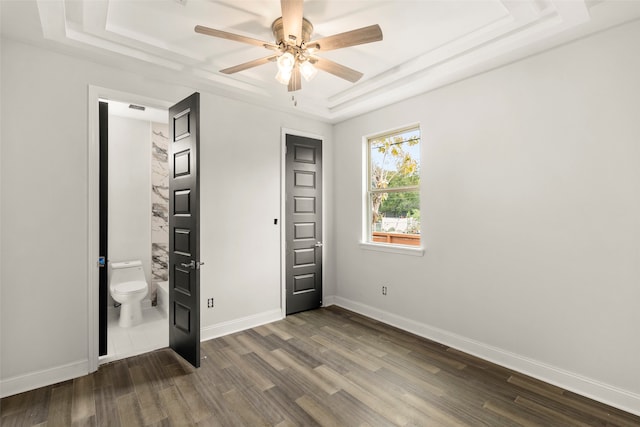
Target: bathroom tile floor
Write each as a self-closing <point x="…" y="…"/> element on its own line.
<point x="151" y="334"/>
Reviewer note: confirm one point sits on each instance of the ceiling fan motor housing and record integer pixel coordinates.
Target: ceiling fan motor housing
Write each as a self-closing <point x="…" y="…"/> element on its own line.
<point x="278" y="32"/>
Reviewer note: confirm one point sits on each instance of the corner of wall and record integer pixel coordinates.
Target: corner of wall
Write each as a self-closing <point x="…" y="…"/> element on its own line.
<point x="328" y="300"/>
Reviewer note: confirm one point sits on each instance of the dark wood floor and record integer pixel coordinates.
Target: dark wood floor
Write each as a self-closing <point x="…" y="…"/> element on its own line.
<point x="326" y="367"/>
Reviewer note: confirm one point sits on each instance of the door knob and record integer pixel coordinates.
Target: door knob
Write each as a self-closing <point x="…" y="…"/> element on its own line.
<point x="318" y="244"/>
<point x="192" y="264"/>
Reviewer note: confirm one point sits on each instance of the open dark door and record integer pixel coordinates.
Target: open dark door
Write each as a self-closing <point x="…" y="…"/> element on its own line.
<point x="103" y="288"/>
<point x="303" y="182"/>
<point x="184" y="229"/>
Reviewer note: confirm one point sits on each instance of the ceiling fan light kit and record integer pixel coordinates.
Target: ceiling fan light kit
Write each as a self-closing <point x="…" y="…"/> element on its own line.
<point x="286" y="62"/>
<point x="307" y="70"/>
<point x="283" y="76"/>
<point x="295" y="53"/>
<point x="291" y="54"/>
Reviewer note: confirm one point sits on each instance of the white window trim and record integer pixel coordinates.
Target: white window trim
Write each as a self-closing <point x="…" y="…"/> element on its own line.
<point x="393" y="249"/>
<point x="366" y="209"/>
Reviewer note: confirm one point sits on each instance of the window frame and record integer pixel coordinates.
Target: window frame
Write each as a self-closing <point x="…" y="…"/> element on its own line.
<point x="367" y="242"/>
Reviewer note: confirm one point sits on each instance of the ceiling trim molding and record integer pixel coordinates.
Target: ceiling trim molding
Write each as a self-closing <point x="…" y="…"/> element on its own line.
<point x="509" y="30"/>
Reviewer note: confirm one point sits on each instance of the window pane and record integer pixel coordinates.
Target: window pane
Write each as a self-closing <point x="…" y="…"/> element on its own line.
<point x="395" y="217"/>
<point x="395" y="160"/>
<point x="394" y="167"/>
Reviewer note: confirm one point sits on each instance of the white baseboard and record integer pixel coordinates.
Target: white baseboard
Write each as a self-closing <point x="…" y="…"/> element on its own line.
<point x="605" y="393"/>
<point x="33" y="380"/>
<point x="328" y="300"/>
<point x="237" y="325"/>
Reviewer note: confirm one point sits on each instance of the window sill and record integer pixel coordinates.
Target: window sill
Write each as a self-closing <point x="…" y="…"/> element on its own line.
<point x="394" y="249"/>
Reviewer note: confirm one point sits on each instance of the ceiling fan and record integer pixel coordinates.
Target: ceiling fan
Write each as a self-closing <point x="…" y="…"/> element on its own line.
<point x="294" y="52"/>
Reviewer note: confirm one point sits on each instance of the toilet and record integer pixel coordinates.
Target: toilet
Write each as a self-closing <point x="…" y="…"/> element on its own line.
<point x="128" y="286"/>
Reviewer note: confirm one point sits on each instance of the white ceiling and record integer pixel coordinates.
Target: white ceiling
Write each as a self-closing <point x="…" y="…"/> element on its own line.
<point x="427" y="43"/>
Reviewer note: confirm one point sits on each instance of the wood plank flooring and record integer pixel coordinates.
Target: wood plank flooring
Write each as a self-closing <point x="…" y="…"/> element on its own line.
<point x="328" y="367"/>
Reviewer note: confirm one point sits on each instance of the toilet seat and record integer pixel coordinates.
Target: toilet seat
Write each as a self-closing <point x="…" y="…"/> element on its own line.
<point x="128" y="288"/>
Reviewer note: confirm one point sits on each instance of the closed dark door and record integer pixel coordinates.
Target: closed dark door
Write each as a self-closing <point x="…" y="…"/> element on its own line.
<point x="303" y="182"/>
<point x="184" y="229"/>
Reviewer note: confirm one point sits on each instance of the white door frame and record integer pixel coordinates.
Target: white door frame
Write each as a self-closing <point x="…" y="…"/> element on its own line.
<point x="95" y="94"/>
<point x="283" y="219"/>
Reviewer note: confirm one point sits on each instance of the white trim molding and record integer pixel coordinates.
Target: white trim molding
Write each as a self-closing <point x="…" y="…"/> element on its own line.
<point x="392" y="249"/>
<point x="506" y="31"/>
<point x="283" y="211"/>
<point x="45" y="377"/>
<point x="241" y="324"/>
<point x="588" y="387"/>
<point x="328" y="300"/>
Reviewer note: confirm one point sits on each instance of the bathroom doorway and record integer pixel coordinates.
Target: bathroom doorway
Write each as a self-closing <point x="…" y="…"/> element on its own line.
<point x="134" y="173"/>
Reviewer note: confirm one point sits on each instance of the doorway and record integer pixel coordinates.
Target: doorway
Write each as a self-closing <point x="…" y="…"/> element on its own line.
<point x="303" y="223"/>
<point x="134" y="173"/>
<point x="95" y="95"/>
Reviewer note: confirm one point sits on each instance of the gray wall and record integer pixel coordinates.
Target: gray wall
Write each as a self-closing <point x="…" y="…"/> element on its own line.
<point x="530" y="217"/>
<point x="130" y="191"/>
<point x="44" y="216"/>
<point x="530" y="214"/>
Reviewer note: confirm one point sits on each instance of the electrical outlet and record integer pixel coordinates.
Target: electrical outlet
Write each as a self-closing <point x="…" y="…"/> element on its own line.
<point x="210" y="303"/>
<point x="384" y="290"/>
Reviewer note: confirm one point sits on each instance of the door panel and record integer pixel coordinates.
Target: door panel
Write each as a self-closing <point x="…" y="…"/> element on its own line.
<point x="103" y="120"/>
<point x="184" y="229"/>
<point x="303" y="223"/>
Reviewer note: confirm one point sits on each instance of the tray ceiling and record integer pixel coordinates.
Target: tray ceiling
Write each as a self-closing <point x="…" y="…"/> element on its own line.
<point x="426" y="43"/>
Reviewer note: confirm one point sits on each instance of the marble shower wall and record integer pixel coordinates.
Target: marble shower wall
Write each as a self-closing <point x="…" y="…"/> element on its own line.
<point x="159" y="206"/>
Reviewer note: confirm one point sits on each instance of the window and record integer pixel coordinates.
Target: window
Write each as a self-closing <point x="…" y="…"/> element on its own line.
<point x="393" y="188"/>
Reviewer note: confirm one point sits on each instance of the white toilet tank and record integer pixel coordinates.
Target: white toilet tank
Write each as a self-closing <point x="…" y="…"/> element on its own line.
<point x="126" y="271"/>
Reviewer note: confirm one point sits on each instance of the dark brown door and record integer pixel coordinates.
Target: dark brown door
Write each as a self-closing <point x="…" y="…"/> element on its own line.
<point x="303" y="184"/>
<point x="103" y="109"/>
<point x="184" y="229"/>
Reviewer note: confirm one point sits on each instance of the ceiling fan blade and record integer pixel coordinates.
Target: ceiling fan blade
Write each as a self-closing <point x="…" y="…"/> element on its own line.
<point x="231" y="36"/>
<point x="249" y="64"/>
<point x="295" y="82"/>
<point x="369" y="34"/>
<point x="292" y="20"/>
<point x="336" y="69"/>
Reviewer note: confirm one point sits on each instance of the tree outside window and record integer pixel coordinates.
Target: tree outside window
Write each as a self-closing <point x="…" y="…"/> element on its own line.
<point x="393" y="188"/>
